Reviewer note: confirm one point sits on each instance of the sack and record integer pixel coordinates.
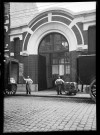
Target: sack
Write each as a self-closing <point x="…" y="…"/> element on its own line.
<point x="58" y="82"/>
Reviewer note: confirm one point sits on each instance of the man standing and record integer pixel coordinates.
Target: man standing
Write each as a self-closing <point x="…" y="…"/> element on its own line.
<point x="28" y="84"/>
<point x="59" y="82"/>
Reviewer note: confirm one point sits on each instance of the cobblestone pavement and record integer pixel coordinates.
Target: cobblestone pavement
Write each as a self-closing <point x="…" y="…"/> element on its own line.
<point x="33" y="114"/>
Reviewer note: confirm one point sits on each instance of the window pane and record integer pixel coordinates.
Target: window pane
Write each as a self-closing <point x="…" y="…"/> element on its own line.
<point x="54" y="69"/>
<point x="57" y="39"/>
<point x="53" y="42"/>
<point x="57" y="47"/>
<point x="61" y="69"/>
<point x="55" y="61"/>
<point x="67" y="69"/>
<point x="54" y="55"/>
<point x="67" y="59"/>
<point x="61" y="61"/>
<point x="47" y="38"/>
<point x="43" y="43"/>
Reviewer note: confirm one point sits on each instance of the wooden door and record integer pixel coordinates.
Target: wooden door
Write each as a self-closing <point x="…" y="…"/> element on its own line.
<point x="42" y="83"/>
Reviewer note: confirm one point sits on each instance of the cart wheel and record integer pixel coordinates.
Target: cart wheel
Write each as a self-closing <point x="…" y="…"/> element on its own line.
<point x="92" y="89"/>
<point x="70" y="93"/>
<point x="74" y="93"/>
<point x="11" y="90"/>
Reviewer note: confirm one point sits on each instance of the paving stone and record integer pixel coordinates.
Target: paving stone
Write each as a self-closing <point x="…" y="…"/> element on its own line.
<point x="73" y="129"/>
<point x="80" y="128"/>
<point x="46" y="114"/>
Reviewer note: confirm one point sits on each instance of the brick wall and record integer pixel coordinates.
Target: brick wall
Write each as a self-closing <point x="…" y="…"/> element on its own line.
<point x="92" y="39"/>
<point x="31" y="67"/>
<point x="73" y="62"/>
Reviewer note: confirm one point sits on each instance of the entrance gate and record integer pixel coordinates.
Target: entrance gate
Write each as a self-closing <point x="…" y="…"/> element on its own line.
<point x="53" y="60"/>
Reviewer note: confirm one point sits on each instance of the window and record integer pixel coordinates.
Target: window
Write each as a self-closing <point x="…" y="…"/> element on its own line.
<point x="61" y="69"/>
<point x="57" y="46"/>
<point x="61" y="63"/>
<point x="47" y="39"/>
<point x="55" y="61"/>
<point x="53" y="42"/>
<point x="55" y="69"/>
<point x="67" y="69"/>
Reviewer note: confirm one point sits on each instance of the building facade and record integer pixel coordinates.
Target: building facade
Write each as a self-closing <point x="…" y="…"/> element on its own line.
<point x="48" y="43"/>
<point x="6" y="28"/>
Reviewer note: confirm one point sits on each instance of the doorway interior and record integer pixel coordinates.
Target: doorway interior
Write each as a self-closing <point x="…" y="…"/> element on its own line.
<point x="54" y="60"/>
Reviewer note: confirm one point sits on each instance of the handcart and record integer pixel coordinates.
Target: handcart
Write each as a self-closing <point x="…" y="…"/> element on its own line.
<point x="70" y="88"/>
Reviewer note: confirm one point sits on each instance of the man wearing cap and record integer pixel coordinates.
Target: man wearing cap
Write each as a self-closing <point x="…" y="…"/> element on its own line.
<point x="28" y="84"/>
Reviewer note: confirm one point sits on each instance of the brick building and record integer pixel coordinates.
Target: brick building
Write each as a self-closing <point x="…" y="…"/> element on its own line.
<point x="47" y="43"/>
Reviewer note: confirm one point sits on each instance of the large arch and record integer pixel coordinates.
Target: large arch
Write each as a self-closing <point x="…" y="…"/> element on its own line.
<point x="49" y="27"/>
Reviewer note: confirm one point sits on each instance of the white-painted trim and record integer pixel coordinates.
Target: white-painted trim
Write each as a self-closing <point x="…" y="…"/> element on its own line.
<point x="11" y="54"/>
<point x="49" y="27"/>
<point x="90" y="18"/>
<point x="38" y="21"/>
<point x="6" y="22"/>
<point x="21" y="53"/>
<point x="25" y="53"/>
<point x="54" y="22"/>
<point x="86" y="25"/>
<point x="75" y="21"/>
<point x="50" y="14"/>
<point x="17" y="31"/>
<point x="82" y="47"/>
<point x="6" y="45"/>
<point x="29" y="30"/>
<point x="24" y="41"/>
<point x="48" y="21"/>
<point x="41" y="26"/>
<point x="15" y="36"/>
<point x="49" y="17"/>
<point x="80" y="34"/>
<point x="6" y="27"/>
<point x="6" y="50"/>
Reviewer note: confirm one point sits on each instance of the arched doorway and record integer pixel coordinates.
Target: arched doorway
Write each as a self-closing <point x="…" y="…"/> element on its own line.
<point x="53" y="60"/>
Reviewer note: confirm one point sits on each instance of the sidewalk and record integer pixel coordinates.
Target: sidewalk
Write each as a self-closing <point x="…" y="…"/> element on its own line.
<point x="53" y="93"/>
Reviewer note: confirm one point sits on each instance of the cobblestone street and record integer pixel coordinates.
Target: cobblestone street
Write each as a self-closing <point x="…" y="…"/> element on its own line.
<point x="33" y="114"/>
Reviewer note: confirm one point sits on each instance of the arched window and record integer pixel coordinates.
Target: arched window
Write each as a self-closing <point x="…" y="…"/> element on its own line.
<point x="53" y="42"/>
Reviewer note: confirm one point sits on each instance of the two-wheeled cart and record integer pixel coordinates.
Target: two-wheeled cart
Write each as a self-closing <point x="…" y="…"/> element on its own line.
<point x="11" y="75"/>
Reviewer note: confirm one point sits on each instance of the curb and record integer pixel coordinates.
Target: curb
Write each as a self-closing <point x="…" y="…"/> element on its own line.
<point x="53" y="96"/>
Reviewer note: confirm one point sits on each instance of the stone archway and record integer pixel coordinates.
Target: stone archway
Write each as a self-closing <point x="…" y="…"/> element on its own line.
<point x="49" y="27"/>
<point x="46" y="28"/>
<point x="53" y="59"/>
